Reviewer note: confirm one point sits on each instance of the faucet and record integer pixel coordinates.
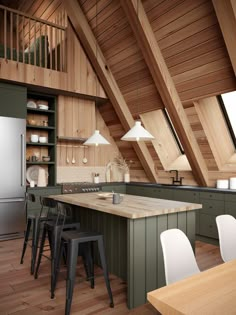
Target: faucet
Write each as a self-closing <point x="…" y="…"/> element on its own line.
<point x="176" y="179"/>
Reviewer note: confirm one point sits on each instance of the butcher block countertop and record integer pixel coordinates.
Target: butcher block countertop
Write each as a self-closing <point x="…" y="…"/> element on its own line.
<point x="132" y="207"/>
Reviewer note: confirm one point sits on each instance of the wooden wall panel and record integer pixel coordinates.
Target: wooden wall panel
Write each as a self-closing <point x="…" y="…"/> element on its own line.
<point x="79" y="118"/>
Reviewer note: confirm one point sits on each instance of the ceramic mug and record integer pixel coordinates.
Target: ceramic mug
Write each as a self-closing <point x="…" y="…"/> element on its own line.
<point x="117" y="198"/>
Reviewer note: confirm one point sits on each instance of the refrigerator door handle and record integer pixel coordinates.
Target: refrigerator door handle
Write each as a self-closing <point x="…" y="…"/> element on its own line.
<point x="11" y="200"/>
<point x="22" y="160"/>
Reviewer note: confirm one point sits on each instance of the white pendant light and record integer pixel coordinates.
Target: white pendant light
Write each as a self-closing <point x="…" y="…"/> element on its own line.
<point x="137" y="133"/>
<point x="96" y="139"/>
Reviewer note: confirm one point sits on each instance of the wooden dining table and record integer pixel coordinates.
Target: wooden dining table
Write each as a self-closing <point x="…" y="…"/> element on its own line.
<point x="211" y="292"/>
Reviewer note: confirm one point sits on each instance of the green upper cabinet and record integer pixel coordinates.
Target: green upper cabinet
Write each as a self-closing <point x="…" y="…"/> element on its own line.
<point x="13" y="100"/>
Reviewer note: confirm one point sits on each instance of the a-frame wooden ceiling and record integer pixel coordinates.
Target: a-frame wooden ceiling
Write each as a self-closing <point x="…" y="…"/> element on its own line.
<point x="165" y="53"/>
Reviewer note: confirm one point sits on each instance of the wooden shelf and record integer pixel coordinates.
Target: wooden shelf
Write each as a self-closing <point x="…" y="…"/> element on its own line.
<point x="40" y="163"/>
<point x="40" y="127"/>
<point x="40" y="144"/>
<point x="36" y="110"/>
<point x="77" y="139"/>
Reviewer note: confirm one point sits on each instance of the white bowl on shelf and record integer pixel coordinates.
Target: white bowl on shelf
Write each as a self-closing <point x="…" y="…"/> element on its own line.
<point x="43" y="106"/>
<point x="43" y="139"/>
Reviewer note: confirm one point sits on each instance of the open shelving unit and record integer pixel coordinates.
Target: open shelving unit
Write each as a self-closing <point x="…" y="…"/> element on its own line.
<point x="44" y="125"/>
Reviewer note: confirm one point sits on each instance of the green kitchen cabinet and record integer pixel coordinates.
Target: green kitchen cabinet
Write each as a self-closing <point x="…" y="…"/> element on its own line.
<point x="137" y="190"/>
<point x="115" y="188"/>
<point x="188" y="196"/>
<point x="213" y="204"/>
<point x="13" y="100"/>
<point x="230" y="204"/>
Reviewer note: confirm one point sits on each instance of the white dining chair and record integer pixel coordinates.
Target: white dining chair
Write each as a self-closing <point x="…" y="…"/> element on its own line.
<point x="179" y="259"/>
<point x="226" y="225"/>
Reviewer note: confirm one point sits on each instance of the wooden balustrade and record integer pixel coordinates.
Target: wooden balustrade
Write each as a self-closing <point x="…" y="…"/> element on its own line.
<point x="31" y="40"/>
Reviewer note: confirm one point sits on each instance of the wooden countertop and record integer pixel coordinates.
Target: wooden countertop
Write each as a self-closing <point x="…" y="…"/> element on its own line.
<point x="212" y="292"/>
<point x="132" y="207"/>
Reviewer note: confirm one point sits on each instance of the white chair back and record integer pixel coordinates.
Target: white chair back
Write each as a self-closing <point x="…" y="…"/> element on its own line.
<point x="226" y="225"/>
<point x="179" y="259"/>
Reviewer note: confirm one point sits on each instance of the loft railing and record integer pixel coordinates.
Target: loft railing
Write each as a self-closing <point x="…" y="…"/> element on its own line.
<point x="30" y="40"/>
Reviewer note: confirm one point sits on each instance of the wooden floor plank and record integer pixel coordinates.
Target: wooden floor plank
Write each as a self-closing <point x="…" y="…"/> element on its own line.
<point x="21" y="294"/>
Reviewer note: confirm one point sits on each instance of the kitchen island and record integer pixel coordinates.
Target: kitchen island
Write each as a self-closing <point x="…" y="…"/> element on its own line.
<point x="131" y="232"/>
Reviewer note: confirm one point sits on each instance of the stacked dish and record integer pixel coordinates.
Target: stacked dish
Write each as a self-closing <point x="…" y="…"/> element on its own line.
<point x="31" y="104"/>
<point x="43" y="106"/>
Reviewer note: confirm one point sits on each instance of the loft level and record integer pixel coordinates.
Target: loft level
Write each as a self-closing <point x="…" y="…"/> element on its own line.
<point x="31" y="40"/>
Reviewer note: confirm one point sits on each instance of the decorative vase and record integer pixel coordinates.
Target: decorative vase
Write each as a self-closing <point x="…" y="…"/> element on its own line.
<point x="127" y="177"/>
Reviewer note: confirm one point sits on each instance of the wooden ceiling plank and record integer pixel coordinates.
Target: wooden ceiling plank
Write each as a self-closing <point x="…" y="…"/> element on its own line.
<point x="226" y="15"/>
<point x="104" y="74"/>
<point x="165" y="86"/>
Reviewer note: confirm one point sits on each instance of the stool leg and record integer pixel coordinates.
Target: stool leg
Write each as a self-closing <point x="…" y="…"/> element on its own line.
<point x="105" y="271"/>
<point x="57" y="269"/>
<point x="36" y="240"/>
<point x="40" y="251"/>
<point x="25" y="240"/>
<point x="71" y="268"/>
<point x="55" y="250"/>
<point x="34" y="249"/>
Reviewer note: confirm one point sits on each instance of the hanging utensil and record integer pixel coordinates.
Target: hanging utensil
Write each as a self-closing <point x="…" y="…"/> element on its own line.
<point x="73" y="158"/>
<point x="67" y="157"/>
<point x="85" y="160"/>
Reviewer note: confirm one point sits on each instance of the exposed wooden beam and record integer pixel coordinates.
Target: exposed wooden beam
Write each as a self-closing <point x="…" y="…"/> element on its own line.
<point x="226" y="15"/>
<point x="98" y="61"/>
<point x="152" y="54"/>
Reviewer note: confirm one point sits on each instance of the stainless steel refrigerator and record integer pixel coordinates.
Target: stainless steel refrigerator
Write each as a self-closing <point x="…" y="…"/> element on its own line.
<point x="12" y="177"/>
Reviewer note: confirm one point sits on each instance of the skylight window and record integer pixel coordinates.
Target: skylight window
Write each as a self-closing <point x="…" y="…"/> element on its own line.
<point x="173" y="131"/>
<point x="228" y="105"/>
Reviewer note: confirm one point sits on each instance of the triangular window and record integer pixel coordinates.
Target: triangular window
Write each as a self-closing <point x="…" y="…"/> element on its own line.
<point x="228" y="106"/>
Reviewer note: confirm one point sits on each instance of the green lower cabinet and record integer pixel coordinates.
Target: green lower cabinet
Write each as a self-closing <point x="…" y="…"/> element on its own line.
<point x="115" y="188"/>
<point x="230" y="208"/>
<point x="212" y="207"/>
<point x="34" y="207"/>
<point x="164" y="193"/>
<point x="137" y="190"/>
<point x="149" y="191"/>
<point x="207" y="226"/>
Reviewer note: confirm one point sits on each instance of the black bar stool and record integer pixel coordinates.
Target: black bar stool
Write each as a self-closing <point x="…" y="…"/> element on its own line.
<point x="49" y="223"/>
<point x="75" y="240"/>
<point x="58" y="219"/>
<point x="34" y="221"/>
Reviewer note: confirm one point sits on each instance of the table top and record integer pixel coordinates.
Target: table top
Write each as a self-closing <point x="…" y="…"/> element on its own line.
<point x="132" y="207"/>
<point x="212" y="292"/>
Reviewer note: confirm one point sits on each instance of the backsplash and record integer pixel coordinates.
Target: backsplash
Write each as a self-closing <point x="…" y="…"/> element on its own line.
<point x="67" y="174"/>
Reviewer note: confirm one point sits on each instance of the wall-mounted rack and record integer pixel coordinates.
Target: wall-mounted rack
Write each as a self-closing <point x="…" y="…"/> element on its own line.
<point x="72" y="146"/>
<point x="77" y="139"/>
